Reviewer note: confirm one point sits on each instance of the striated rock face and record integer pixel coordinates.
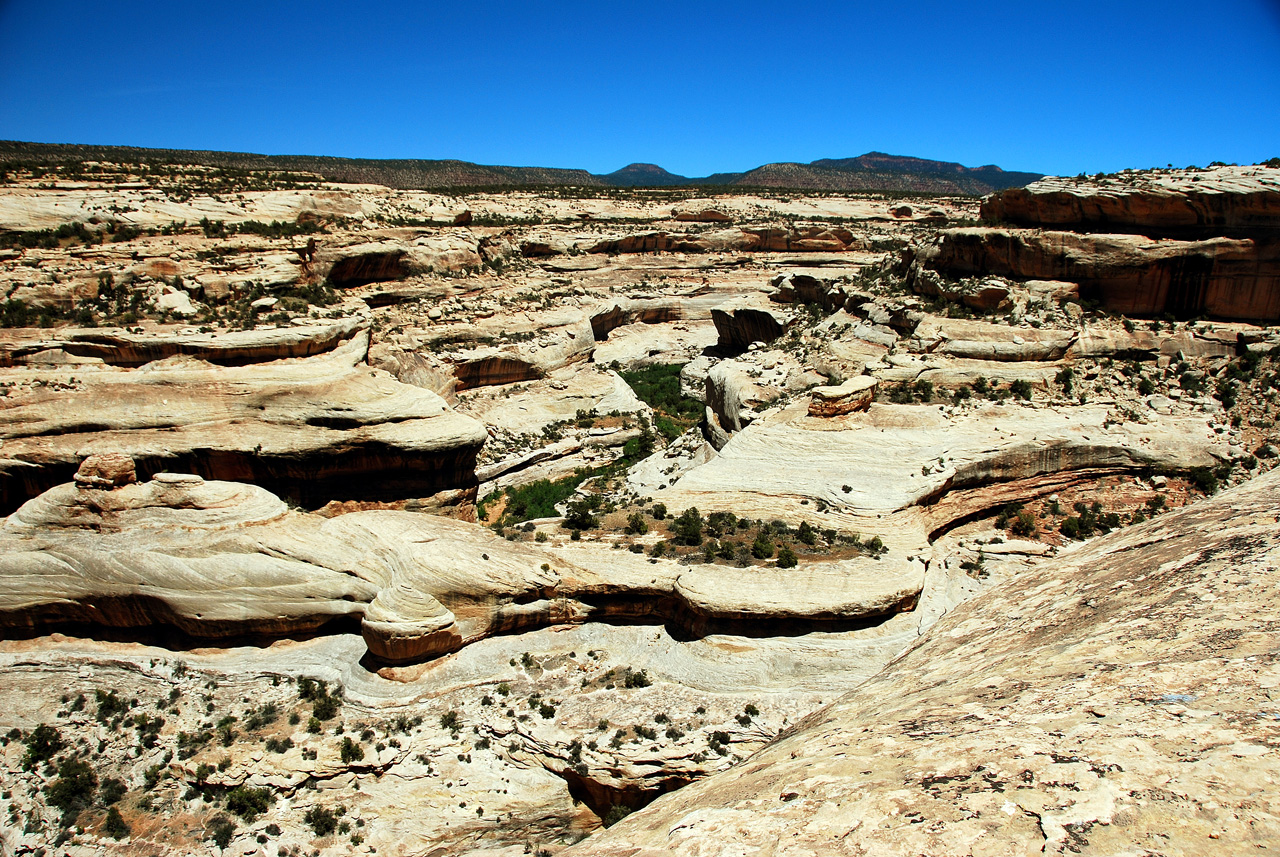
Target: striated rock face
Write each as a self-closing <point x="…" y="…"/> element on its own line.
<point x="317" y="429"/>
<point x="1131" y="274"/>
<point x="219" y="559"/>
<point x="1232" y="201"/>
<point x="856" y="394"/>
<point x="225" y="348"/>
<point x="986" y="341"/>
<point x="1104" y="703"/>
<point x="867" y="465"/>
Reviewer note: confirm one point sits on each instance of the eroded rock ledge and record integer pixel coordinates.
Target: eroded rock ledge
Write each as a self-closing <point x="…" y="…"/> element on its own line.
<point x="311" y="429"/>
<point x="220" y="559"/>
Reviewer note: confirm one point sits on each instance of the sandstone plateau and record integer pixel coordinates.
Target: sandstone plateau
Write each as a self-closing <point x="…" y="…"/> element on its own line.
<point x="348" y="519"/>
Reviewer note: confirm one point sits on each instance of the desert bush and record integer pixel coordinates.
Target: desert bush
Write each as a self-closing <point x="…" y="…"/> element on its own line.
<point x="248" y="802"/>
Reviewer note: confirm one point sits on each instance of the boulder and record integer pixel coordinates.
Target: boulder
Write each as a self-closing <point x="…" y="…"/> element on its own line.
<point x="106" y="470"/>
<point x="856" y="394"/>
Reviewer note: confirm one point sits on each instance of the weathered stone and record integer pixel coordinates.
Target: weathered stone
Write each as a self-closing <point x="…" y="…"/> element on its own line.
<point x="856" y="394"/>
<point x="106" y="470"/>
<point x="701" y="214"/>
<point x="1130" y="274"/>
<point x="744" y="321"/>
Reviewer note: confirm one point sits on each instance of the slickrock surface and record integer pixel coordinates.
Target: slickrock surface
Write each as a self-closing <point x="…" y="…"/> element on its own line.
<point x="1118" y="700"/>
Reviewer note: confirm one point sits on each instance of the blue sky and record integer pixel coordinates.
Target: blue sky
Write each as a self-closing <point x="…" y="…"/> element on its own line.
<point x="695" y="87"/>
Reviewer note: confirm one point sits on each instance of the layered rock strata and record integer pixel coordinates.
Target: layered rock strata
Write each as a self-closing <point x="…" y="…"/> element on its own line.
<point x="310" y="429"/>
<point x="1106" y="702"/>
<point x="219" y="560"/>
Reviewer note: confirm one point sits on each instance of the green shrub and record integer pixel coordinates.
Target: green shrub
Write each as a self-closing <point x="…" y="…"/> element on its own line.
<point x="350" y="751"/>
<point x="248" y="802"/>
<point x="1066" y="377"/>
<point x="1021" y="389"/>
<point x="658" y="386"/>
<point x="636" y="524"/>
<point x="220" y="830"/>
<point x="43" y="743"/>
<point x="111" y="790"/>
<point x="73" y="790"/>
<point x="806" y="534"/>
<point x="616" y="813"/>
<point x="639" y="678"/>
<point x="580" y="513"/>
<point x="321" y="820"/>
<point x="687" y="528"/>
<point x="762" y="547"/>
<point x="786" y="558"/>
<point x="115" y="825"/>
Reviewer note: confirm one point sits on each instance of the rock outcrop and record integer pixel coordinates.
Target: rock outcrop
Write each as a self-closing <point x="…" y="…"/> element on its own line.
<point x="691" y="213"/>
<point x="1183" y="242"/>
<point x="219" y="560"/>
<point x="120" y="347"/>
<point x="742" y="321"/>
<point x="1103" y="703"/>
<point x="856" y="394"/>
<point x="1130" y="274"/>
<point x="1232" y="201"/>
<point x="313" y="429"/>
<point x="388" y="260"/>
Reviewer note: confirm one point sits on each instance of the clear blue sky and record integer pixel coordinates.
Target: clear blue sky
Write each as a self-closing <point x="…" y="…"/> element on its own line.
<point x="696" y="87"/>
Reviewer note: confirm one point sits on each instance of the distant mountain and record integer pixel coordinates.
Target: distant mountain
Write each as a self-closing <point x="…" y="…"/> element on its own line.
<point x="874" y="171"/>
<point x="643" y="175"/>
<point x="408" y="174"/>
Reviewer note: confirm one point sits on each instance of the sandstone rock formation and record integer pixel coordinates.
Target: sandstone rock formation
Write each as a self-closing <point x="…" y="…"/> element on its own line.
<point x="1100" y="704"/>
<point x="1131" y="274"/>
<point x="507" y="685"/>
<point x="1232" y="201"/>
<point x="855" y="394"/>
<point x="742" y="322"/>
<point x="312" y="429"/>
<point x="376" y="262"/>
<point x="1186" y="243"/>
<point x="219" y="560"/>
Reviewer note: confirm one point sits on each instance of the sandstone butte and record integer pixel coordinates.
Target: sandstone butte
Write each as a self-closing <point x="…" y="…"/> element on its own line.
<point x="1181" y="242"/>
<point x="785" y="523"/>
